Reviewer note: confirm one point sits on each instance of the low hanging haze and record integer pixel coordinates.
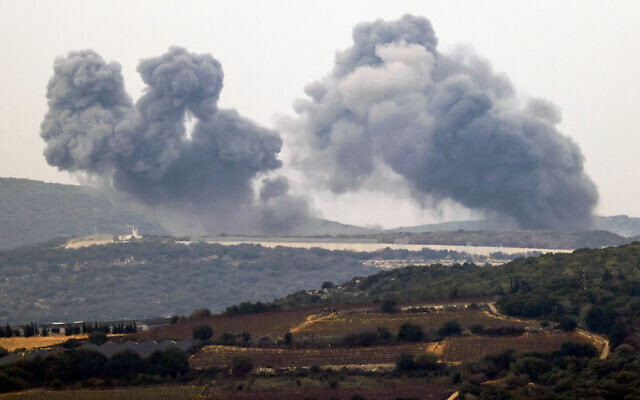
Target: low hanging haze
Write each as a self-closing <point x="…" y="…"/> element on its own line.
<point x="581" y="55"/>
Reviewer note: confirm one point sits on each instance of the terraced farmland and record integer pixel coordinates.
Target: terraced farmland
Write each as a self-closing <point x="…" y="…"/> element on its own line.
<point x="343" y="323"/>
<point x="222" y="356"/>
<point x="460" y="349"/>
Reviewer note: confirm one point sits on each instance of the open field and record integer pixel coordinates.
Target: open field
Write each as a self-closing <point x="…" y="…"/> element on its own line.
<point x="340" y="244"/>
<point x="343" y="323"/>
<point x="222" y="356"/>
<point x="38" y="342"/>
<point x="460" y="349"/>
<point x="270" y="323"/>
<point x="35" y="342"/>
<point x="137" y="393"/>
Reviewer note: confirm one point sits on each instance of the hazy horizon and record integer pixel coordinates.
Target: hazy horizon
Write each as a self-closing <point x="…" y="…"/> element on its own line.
<point x="580" y="56"/>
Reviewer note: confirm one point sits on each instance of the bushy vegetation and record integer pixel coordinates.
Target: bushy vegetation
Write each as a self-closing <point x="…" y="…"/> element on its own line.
<point x="598" y="289"/>
<point x="156" y="277"/>
<point x="571" y="373"/>
<point x="64" y="368"/>
<point x="202" y="332"/>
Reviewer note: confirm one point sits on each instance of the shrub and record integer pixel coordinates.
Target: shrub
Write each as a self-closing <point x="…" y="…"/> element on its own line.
<point x="600" y="319"/>
<point x="450" y="328"/>
<point x="74" y="365"/>
<point x="477" y="329"/>
<point x="411" y="333"/>
<point x="327" y="285"/>
<point x="504" y="331"/>
<point x="389" y="306"/>
<point x="202" y="332"/>
<point x="3" y="352"/>
<point x="200" y="313"/>
<point x="427" y="361"/>
<point x="406" y="363"/>
<point x="9" y="383"/>
<point x="241" y="365"/>
<point x="288" y="338"/>
<point x="579" y="349"/>
<point x="170" y="362"/>
<point x="71" y="344"/>
<point x="174" y="320"/>
<point x="124" y="364"/>
<point x="567" y="324"/>
<point x="97" y="337"/>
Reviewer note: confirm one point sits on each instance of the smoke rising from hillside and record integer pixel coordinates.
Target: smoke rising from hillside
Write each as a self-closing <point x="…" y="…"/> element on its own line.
<point x="446" y="124"/>
<point x="143" y="149"/>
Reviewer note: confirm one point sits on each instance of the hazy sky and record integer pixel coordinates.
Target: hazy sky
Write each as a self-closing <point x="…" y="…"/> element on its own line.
<point x="582" y="55"/>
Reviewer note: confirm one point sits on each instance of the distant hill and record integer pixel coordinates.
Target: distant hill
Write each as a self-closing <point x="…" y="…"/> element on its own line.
<point x="33" y="211"/>
<point x="323" y="227"/>
<point x="622" y="225"/>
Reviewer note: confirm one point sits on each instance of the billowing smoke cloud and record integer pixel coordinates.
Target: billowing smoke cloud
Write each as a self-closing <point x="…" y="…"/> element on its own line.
<point x="145" y="151"/>
<point x="446" y="124"/>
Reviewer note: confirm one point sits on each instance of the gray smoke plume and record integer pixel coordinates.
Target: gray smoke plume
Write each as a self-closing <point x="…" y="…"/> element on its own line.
<point x="445" y="123"/>
<point x="144" y="150"/>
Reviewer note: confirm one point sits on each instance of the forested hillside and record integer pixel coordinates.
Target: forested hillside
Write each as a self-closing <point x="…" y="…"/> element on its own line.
<point x="597" y="288"/>
<point x="155" y="277"/>
<point x="32" y="211"/>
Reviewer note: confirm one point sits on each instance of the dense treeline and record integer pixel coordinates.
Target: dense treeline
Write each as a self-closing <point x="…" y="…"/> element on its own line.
<point x="572" y="373"/>
<point x="155" y="277"/>
<point x="70" y="366"/>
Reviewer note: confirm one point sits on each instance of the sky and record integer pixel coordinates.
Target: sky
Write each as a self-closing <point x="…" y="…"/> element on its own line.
<point x="582" y="55"/>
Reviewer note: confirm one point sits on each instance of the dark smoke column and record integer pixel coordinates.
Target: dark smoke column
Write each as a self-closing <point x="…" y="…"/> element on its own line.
<point x="446" y="124"/>
<point x="144" y="151"/>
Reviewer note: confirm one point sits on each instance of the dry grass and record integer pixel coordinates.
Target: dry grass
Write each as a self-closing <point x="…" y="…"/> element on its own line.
<point x="35" y="342"/>
<point x="90" y="240"/>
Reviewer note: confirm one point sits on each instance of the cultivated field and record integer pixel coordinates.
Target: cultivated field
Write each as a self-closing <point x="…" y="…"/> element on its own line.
<point x="271" y="323"/>
<point x="343" y="323"/>
<point x="151" y="393"/>
<point x="34" y="342"/>
<point x="222" y="356"/>
<point x="460" y="349"/>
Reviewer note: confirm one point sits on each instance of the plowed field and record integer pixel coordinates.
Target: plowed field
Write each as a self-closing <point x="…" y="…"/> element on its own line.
<point x="469" y="348"/>
<point x="343" y="323"/>
<point x="222" y="356"/>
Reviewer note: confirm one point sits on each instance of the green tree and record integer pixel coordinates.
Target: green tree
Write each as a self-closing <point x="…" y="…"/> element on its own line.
<point x="97" y="337"/>
<point x="241" y="365"/>
<point x="202" y="332"/>
<point x="450" y="328"/>
<point x="411" y="333"/>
